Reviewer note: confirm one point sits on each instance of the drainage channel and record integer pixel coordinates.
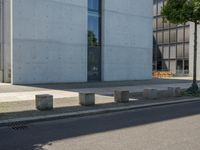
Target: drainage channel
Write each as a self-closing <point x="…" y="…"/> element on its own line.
<point x="19" y="126"/>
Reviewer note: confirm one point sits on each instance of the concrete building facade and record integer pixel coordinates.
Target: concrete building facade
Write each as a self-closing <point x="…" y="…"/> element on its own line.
<point x="191" y="51"/>
<point x="56" y="41"/>
<point x="173" y="45"/>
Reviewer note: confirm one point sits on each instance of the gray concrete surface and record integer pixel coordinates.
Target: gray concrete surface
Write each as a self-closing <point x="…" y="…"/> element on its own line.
<point x="121" y="96"/>
<point x="6" y="41"/>
<point x="51" y="46"/>
<point x="23" y="93"/>
<point x="44" y="102"/>
<point x="174" y="91"/>
<point x="150" y="93"/>
<point x="7" y="88"/>
<point x="174" y="127"/>
<point x="191" y="51"/>
<point x="87" y="99"/>
<point x="127" y="39"/>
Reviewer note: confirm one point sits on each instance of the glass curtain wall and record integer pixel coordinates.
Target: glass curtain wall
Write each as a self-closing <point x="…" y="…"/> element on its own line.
<point x="171" y="44"/>
<point x="94" y="40"/>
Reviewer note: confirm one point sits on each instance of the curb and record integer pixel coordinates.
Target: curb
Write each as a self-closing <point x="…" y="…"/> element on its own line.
<point x="91" y="112"/>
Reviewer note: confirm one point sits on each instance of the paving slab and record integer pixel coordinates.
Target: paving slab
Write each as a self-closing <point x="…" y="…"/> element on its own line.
<point x="17" y="101"/>
<point x="23" y="95"/>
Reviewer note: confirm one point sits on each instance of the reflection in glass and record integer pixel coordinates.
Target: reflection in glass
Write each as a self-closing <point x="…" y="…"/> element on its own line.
<point x="93" y="30"/>
<point x="94" y="40"/>
<point x="93" y="5"/>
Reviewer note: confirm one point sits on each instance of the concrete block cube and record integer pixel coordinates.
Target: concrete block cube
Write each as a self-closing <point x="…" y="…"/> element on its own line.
<point x="121" y="96"/>
<point x="174" y="91"/>
<point x="87" y="99"/>
<point x="44" y="102"/>
<point x="150" y="93"/>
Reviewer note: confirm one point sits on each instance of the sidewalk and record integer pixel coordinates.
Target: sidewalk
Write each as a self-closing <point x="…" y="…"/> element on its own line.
<point x="17" y="102"/>
<point x="11" y="93"/>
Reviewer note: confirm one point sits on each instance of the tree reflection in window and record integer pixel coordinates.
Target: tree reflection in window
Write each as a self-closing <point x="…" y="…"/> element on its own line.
<point x="92" y="40"/>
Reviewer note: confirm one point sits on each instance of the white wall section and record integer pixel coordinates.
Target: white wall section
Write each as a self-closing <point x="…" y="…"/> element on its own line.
<point x="50" y="41"/>
<point x="127" y="36"/>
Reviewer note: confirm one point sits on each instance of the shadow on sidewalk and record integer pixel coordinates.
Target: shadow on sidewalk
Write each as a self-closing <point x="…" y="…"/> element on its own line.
<point x="75" y="86"/>
<point x="39" y="135"/>
<point x="107" y="84"/>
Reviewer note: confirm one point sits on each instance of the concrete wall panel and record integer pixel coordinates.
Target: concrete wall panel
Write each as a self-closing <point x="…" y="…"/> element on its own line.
<point x="127" y="40"/>
<point x="50" y="43"/>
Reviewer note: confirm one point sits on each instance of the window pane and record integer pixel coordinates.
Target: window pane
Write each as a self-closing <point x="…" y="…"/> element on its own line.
<point x="154" y="38"/>
<point x="179" y="67"/>
<point x="94" y="39"/>
<point x="166" y="24"/>
<point x="166" y="52"/>
<point x="180" y="35"/>
<point x="160" y="22"/>
<point x="180" y="51"/>
<point x="173" y="25"/>
<point x="173" y="51"/>
<point x="159" y="37"/>
<point x="173" y="66"/>
<point x="154" y="8"/>
<point x="186" y="67"/>
<point x="93" y="5"/>
<point x="173" y="36"/>
<point x="159" y="65"/>
<point x="187" y="35"/>
<point x="186" y="55"/>
<point x="166" y="36"/>
<point x="93" y="30"/>
<point x="159" y="52"/>
<point x="165" y="65"/>
<point x="154" y="24"/>
<point x="160" y="5"/>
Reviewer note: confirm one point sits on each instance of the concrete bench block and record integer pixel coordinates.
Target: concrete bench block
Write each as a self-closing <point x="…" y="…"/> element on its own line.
<point x="174" y="91"/>
<point x="150" y="93"/>
<point x="87" y="99"/>
<point x="44" y="102"/>
<point x="163" y="94"/>
<point x="121" y="96"/>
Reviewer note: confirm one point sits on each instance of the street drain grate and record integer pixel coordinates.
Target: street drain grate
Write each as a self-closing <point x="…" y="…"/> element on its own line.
<point x="17" y="126"/>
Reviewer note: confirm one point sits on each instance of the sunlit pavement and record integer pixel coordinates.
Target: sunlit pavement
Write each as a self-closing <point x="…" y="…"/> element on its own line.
<point x="14" y="93"/>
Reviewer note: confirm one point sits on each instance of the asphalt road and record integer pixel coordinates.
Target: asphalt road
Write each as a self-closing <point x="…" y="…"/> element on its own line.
<point x="173" y="127"/>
